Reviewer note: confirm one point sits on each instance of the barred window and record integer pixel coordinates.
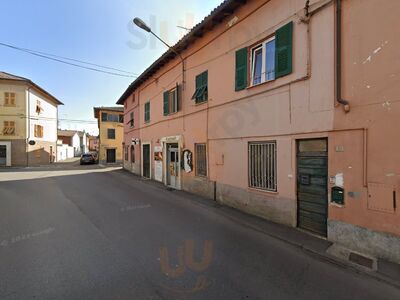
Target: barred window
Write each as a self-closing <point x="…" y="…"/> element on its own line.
<point x="201" y="159"/>
<point x="262" y="165"/>
<point x="126" y="153"/>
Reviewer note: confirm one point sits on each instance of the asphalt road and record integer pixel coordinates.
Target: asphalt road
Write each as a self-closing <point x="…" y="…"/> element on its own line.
<point x="95" y="233"/>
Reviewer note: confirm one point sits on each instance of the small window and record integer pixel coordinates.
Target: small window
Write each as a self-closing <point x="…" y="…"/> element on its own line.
<point x="171" y="101"/>
<point x="131" y="120"/>
<point x="132" y="154"/>
<point x="147" y="112"/>
<point x="121" y="119"/>
<point x="126" y="153"/>
<point x="201" y="93"/>
<point x="9" y="128"/>
<point x="133" y="97"/>
<point x="104" y="117"/>
<point x="9" y="99"/>
<point x="201" y="159"/>
<point x="38" y="131"/>
<point x="263" y="62"/>
<point x="111" y="133"/>
<point x="262" y="165"/>
<point x="39" y="108"/>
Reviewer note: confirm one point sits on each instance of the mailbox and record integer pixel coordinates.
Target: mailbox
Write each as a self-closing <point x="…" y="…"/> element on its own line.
<point x="337" y="195"/>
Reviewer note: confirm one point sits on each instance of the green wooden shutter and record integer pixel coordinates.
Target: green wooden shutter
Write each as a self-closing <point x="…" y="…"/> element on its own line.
<point x="283" y="51"/>
<point x="205" y="79"/>
<point x="241" y="69"/>
<point x="147" y="112"/>
<point x="179" y="96"/>
<point x="199" y="81"/>
<point x="166" y="103"/>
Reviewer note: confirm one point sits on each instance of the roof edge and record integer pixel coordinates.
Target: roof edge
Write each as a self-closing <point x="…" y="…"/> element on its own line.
<point x="225" y="9"/>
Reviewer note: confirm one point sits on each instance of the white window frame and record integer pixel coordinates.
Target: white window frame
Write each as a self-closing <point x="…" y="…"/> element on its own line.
<point x="263" y="61"/>
<point x="173" y="101"/>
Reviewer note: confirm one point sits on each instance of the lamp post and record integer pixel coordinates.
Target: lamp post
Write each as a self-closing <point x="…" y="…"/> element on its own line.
<point x="142" y="25"/>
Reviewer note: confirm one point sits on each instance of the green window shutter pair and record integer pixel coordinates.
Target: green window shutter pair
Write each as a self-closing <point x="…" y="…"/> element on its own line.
<point x="201" y="93"/>
<point x="283" y="57"/>
<point x="176" y="95"/>
<point x="147" y="112"/>
<point x="166" y="103"/>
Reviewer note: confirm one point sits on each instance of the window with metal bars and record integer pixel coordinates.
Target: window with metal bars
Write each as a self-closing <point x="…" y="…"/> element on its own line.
<point x="201" y="159"/>
<point x="263" y="166"/>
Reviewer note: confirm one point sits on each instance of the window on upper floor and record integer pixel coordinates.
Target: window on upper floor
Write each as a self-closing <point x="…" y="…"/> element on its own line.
<point x="131" y="120"/>
<point x="266" y="61"/>
<point x="111" y="133"/>
<point x="147" y="112"/>
<point x="38" y="131"/>
<point x="39" y="108"/>
<point x="263" y="62"/>
<point x="9" y="99"/>
<point x="9" y="128"/>
<point x="201" y="93"/>
<point x="106" y="117"/>
<point x="171" y="100"/>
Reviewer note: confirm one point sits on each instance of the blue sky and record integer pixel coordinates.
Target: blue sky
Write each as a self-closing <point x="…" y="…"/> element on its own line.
<point x="98" y="31"/>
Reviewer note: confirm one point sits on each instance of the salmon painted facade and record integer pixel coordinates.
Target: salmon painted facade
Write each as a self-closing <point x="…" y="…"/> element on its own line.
<point x="285" y="109"/>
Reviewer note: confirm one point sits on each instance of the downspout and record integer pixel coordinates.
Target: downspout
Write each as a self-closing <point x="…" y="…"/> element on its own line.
<point x="339" y="99"/>
<point x="29" y="126"/>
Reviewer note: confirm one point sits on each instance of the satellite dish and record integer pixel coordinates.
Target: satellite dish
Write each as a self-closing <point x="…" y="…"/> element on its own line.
<point x="32" y="143"/>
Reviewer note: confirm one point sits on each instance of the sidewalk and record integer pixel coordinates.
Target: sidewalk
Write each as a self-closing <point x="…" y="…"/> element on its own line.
<point x="316" y="246"/>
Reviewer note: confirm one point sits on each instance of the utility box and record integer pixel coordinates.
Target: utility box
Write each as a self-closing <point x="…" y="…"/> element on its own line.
<point x="381" y="197"/>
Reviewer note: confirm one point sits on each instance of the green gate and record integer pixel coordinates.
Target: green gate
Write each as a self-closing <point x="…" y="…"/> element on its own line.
<point x="312" y="185"/>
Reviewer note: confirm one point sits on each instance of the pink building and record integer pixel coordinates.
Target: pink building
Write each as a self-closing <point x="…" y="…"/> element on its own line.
<point x="264" y="115"/>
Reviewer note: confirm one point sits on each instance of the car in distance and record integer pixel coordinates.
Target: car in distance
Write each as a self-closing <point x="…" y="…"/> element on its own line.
<point x="87" y="158"/>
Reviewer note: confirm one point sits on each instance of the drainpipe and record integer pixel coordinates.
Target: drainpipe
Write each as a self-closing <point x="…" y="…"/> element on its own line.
<point x="29" y="127"/>
<point x="339" y="99"/>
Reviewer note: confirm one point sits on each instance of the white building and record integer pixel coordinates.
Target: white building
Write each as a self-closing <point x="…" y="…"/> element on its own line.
<point x="76" y="139"/>
<point x="28" y="119"/>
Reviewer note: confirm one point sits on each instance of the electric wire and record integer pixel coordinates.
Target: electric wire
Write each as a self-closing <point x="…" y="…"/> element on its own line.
<point x="57" y="58"/>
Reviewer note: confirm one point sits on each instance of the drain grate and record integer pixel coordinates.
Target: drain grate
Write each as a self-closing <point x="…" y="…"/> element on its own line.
<point x="361" y="260"/>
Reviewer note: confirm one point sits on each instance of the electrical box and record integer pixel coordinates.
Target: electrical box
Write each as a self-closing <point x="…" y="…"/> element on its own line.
<point x="337" y="195"/>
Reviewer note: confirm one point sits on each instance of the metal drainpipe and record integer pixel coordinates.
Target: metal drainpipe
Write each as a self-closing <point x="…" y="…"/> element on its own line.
<point x="29" y="127"/>
<point x="345" y="103"/>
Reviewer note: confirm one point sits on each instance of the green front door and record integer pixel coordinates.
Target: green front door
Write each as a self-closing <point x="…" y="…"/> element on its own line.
<point x="312" y="185"/>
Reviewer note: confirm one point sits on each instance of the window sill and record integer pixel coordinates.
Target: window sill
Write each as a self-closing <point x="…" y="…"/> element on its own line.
<point x="261" y="191"/>
<point x="171" y="114"/>
<point x="260" y="84"/>
<point x="200" y="103"/>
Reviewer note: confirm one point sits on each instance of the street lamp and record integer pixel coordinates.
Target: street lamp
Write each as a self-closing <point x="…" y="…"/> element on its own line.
<point x="142" y="25"/>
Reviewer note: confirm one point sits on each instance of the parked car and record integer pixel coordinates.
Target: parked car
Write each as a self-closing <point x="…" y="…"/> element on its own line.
<point x="87" y="158"/>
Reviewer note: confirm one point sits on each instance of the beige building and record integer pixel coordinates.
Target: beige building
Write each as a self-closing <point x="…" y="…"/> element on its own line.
<point x="111" y="134"/>
<point x="28" y="121"/>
